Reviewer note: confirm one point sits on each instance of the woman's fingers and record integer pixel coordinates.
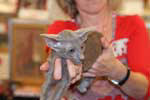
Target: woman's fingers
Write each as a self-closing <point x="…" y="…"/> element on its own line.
<point x="88" y="74"/>
<point x="75" y="71"/>
<point x="91" y="73"/>
<point x="105" y="42"/>
<point x="75" y="79"/>
<point x="57" y="69"/>
<point x="97" y="70"/>
<point x="78" y="74"/>
<point x="71" y="69"/>
<point x="92" y="70"/>
<point x="64" y="98"/>
<point x="44" y="66"/>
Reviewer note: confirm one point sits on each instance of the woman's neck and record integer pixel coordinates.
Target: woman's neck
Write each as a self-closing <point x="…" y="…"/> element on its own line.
<point x="102" y="21"/>
<point x="99" y="18"/>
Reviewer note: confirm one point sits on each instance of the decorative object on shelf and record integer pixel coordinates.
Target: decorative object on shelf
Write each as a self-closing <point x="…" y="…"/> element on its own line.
<point x="147" y="4"/>
<point x="4" y="17"/>
<point x="3" y="28"/>
<point x="26" y="50"/>
<point x="3" y="24"/>
<point x="33" y="9"/>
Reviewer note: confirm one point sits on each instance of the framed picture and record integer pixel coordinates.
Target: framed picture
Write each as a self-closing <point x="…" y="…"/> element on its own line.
<point x="33" y="9"/>
<point x="33" y="4"/>
<point x="27" y="51"/>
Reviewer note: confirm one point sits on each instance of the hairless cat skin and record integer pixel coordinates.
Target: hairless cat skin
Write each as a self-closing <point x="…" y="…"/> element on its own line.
<point x="76" y="46"/>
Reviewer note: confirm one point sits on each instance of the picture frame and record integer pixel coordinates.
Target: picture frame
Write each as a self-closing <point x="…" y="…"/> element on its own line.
<point x="27" y="50"/>
<point x="33" y="9"/>
<point x="33" y="4"/>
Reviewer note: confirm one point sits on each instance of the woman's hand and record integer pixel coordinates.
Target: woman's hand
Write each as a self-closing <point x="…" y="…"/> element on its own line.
<point x="75" y="71"/>
<point x="106" y="64"/>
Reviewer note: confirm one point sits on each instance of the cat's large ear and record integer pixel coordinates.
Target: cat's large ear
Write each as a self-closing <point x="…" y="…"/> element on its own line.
<point x="51" y="41"/>
<point x="82" y="34"/>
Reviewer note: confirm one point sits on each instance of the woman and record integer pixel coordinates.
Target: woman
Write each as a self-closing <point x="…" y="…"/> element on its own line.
<point x="125" y="42"/>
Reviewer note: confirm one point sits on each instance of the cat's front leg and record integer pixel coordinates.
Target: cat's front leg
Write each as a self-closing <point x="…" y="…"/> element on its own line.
<point x="85" y="84"/>
<point x="47" y="88"/>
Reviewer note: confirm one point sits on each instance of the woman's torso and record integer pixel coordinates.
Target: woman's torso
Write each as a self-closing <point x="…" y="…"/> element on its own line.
<point x="103" y="89"/>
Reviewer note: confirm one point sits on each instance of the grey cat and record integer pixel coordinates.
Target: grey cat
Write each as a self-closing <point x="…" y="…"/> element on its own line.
<point x="67" y="45"/>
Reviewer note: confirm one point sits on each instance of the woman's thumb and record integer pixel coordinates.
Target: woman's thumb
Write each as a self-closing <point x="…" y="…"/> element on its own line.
<point x="104" y="42"/>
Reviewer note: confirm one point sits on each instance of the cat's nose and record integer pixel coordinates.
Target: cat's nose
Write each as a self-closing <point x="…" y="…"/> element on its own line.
<point x="81" y="56"/>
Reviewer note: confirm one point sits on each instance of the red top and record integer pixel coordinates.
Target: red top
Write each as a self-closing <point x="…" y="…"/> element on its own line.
<point x="131" y="44"/>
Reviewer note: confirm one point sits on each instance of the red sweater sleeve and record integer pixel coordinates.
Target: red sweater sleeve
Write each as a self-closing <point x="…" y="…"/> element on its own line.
<point x="139" y="50"/>
<point x="59" y="26"/>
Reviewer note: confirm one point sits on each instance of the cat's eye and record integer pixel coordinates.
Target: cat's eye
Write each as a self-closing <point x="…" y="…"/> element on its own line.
<point x="72" y="50"/>
<point x="82" y="47"/>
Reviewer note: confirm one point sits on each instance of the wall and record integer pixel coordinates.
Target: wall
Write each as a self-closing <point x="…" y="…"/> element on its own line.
<point x="55" y="13"/>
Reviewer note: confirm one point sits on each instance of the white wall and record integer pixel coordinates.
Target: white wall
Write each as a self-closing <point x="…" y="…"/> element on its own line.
<point x="55" y="13"/>
<point x="132" y="7"/>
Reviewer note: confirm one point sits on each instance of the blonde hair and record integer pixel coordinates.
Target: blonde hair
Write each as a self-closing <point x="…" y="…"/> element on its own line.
<point x="69" y="6"/>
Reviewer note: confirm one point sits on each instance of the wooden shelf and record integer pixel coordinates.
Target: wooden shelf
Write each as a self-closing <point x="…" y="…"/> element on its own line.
<point x="3" y="49"/>
<point x="27" y="91"/>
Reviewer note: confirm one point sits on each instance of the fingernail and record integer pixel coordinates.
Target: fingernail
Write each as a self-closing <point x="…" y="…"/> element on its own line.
<point x="89" y="75"/>
<point x="57" y="77"/>
<point x="44" y="67"/>
<point x="69" y="62"/>
<point x="57" y="69"/>
<point x="73" y="81"/>
<point x="71" y="69"/>
<point x="94" y="65"/>
<point x="92" y="71"/>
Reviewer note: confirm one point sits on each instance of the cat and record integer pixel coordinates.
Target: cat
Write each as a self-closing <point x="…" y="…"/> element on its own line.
<point x="68" y="45"/>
